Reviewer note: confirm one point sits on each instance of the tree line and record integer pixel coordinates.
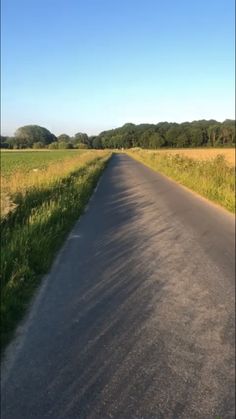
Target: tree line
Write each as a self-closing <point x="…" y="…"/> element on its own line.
<point x="153" y="136"/>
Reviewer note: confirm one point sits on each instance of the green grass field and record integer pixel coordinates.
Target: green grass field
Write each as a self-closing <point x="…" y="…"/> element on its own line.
<point x="43" y="208"/>
<point x="23" y="170"/>
<point x="27" y="160"/>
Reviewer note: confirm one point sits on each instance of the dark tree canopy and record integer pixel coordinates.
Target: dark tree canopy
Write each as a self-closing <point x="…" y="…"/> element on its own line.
<point x="29" y="134"/>
<point x="168" y="134"/>
<point x="3" y="142"/>
<point x="64" y="137"/>
<point x="81" y="138"/>
<point x="164" y="134"/>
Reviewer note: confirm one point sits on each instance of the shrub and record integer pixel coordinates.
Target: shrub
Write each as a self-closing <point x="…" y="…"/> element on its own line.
<point x="38" y="145"/>
<point x="53" y="146"/>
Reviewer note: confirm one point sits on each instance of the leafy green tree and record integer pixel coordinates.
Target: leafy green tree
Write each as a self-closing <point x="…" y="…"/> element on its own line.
<point x="172" y="135"/>
<point x="53" y="146"/>
<point x="64" y="145"/>
<point x="64" y="137"/>
<point x="81" y="146"/>
<point x="192" y="136"/>
<point x="164" y="134"/>
<point x="182" y="140"/>
<point x="156" y="141"/>
<point x="82" y="138"/>
<point x="3" y="142"/>
<point x="213" y="134"/>
<point x="97" y="143"/>
<point x="11" y="141"/>
<point x="227" y="133"/>
<point x="29" y="134"/>
<point x="38" y="145"/>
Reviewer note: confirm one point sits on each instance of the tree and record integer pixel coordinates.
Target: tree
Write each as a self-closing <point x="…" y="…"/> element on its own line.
<point x="81" y="146"/>
<point x="97" y="143"/>
<point x="156" y="140"/>
<point x="182" y="140"/>
<point x="39" y="144"/>
<point x="3" y="142"/>
<point x="53" y="146"/>
<point x="165" y="134"/>
<point x="81" y="138"/>
<point x="29" y="134"/>
<point x="227" y="133"/>
<point x="63" y="137"/>
<point x="11" y="141"/>
<point x="172" y="135"/>
<point x="144" y="139"/>
<point x="64" y="145"/>
<point x="213" y="134"/>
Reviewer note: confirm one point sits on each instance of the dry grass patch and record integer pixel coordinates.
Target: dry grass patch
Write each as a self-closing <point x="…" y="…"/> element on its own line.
<point x="202" y="154"/>
<point x="28" y="175"/>
<point x="212" y="177"/>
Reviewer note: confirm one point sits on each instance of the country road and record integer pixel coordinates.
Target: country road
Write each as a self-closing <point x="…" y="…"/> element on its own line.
<point x="136" y="317"/>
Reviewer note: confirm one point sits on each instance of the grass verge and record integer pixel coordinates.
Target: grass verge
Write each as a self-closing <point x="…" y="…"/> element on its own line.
<point x="34" y="231"/>
<point x="214" y="179"/>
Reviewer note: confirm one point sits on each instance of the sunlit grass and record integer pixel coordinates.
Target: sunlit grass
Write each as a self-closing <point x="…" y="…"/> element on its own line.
<point x="212" y="178"/>
<point x="36" y="170"/>
<point x="45" y="205"/>
<point x="201" y="153"/>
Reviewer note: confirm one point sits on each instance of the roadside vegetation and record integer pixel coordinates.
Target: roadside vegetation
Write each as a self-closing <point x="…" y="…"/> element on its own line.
<point x="202" y="153"/>
<point x="40" y="204"/>
<point x="210" y="176"/>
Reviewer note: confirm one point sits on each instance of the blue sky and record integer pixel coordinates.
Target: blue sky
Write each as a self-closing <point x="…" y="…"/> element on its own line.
<point x="91" y="65"/>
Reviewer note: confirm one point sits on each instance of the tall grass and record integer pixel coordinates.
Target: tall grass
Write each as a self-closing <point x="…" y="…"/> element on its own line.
<point x="20" y="176"/>
<point x="213" y="178"/>
<point x="201" y="153"/>
<point x="46" y="208"/>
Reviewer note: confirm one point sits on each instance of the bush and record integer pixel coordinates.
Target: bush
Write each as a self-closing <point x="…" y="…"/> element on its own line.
<point x="38" y="145"/>
<point x="81" y="146"/>
<point x="63" y="145"/>
<point x="53" y="146"/>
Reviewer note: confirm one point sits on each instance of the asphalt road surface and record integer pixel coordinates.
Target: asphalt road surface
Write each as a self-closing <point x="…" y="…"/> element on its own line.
<point x="136" y="317"/>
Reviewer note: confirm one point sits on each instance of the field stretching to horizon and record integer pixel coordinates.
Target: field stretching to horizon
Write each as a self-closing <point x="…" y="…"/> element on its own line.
<point x="27" y="160"/>
<point x="42" y="195"/>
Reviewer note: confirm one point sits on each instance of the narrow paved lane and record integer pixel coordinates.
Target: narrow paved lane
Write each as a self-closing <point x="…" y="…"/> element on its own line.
<point x="136" y="318"/>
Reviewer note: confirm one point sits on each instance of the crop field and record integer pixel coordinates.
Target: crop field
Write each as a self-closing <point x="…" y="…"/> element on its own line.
<point x="209" y="172"/>
<point x="23" y="170"/>
<point x="202" y="154"/>
<point x="43" y="194"/>
<point x="29" y="160"/>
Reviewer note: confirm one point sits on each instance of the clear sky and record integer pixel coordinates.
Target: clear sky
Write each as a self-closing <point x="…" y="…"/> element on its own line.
<point x="91" y="65"/>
